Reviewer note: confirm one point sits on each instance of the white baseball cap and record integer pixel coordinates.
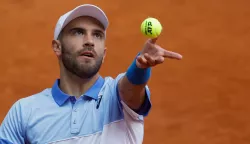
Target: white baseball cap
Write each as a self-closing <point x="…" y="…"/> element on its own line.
<point x="82" y="10"/>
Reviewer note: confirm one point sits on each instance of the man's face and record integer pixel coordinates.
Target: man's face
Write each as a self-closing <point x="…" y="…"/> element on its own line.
<point x="83" y="46"/>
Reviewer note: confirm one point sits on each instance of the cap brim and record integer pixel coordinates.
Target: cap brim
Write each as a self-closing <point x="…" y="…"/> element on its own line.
<point x="87" y="10"/>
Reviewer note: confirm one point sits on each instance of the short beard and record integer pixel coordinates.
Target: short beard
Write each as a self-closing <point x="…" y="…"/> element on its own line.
<point x="83" y="71"/>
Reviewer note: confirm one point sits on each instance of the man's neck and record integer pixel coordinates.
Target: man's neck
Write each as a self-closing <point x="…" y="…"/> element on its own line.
<point x="74" y="85"/>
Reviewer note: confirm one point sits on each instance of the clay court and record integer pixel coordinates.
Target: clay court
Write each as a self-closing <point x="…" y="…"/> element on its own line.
<point x="202" y="99"/>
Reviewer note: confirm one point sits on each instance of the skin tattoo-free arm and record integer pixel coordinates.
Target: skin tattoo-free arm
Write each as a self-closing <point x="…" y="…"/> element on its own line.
<point x="131" y="86"/>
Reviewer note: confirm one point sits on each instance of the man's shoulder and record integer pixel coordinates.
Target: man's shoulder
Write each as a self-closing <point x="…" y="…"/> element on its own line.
<point x="23" y="107"/>
<point x="112" y="80"/>
<point x="35" y="98"/>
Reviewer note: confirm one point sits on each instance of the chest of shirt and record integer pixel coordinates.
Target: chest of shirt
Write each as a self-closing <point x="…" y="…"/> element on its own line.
<point x="72" y="119"/>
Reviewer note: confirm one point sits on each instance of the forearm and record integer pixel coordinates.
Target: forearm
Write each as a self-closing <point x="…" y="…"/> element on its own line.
<point x="132" y="85"/>
<point x="132" y="95"/>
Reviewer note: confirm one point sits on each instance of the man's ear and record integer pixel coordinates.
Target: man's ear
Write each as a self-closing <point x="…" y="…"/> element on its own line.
<point x="104" y="55"/>
<point x="57" y="47"/>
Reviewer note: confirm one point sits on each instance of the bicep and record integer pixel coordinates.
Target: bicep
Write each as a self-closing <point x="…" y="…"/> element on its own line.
<point x="11" y="128"/>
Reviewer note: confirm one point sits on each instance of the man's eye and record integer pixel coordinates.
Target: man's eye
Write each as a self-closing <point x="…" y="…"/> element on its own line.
<point x="78" y="32"/>
<point x="98" y="35"/>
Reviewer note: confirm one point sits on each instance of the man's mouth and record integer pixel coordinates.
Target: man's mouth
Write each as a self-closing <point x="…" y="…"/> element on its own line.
<point x="88" y="54"/>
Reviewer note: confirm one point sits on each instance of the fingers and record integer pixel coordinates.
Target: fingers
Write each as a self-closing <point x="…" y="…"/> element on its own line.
<point x="163" y="52"/>
<point x="170" y="54"/>
<point x="142" y="60"/>
<point x="149" y="59"/>
<point x="159" y="60"/>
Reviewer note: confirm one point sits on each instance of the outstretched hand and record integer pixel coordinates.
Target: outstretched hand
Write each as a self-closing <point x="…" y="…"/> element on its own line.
<point x="152" y="55"/>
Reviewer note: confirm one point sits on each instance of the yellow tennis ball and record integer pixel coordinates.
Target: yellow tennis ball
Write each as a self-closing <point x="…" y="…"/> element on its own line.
<point x="151" y="27"/>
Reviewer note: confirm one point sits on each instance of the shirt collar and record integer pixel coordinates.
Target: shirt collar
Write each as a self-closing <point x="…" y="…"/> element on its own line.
<point x="60" y="97"/>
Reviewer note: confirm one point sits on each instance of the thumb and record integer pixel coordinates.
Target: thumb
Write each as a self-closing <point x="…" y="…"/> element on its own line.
<point x="153" y="40"/>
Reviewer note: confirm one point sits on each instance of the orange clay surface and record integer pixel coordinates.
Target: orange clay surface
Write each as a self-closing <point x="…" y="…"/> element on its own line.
<point x="202" y="99"/>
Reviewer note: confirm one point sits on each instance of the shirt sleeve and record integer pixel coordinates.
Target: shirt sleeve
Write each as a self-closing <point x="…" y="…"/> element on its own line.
<point x="11" y="130"/>
<point x="4" y="141"/>
<point x="120" y="119"/>
<point x="145" y="107"/>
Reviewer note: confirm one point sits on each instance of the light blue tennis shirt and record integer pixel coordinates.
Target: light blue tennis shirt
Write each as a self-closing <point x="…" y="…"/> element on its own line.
<point x="97" y="117"/>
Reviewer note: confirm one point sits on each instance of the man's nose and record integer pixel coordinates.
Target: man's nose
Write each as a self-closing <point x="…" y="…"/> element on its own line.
<point x="88" y="40"/>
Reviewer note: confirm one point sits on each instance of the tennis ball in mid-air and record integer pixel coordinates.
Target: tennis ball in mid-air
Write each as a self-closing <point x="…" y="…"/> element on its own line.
<point x="151" y="27"/>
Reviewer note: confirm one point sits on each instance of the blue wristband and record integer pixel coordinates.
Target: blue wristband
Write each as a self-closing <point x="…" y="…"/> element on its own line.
<point x="137" y="75"/>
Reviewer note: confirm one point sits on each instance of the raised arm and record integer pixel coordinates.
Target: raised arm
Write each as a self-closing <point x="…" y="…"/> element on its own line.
<point x="131" y="86"/>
